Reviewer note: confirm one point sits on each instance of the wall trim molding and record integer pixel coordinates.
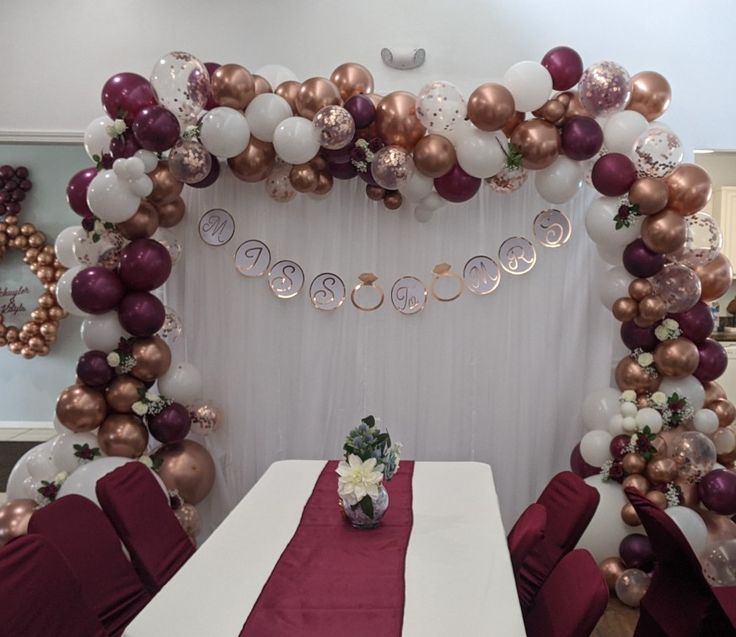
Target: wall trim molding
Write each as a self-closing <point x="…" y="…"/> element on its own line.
<point x="41" y="136"/>
<point x="26" y="424"/>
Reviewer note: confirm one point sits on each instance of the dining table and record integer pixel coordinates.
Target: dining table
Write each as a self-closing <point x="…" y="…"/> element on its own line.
<point x="457" y="575"/>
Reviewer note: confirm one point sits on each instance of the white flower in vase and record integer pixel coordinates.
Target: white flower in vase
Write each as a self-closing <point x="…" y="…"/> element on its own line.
<point x="358" y="479"/>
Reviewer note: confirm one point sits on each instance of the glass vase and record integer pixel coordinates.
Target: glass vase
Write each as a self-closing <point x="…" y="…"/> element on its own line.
<point x="359" y="519"/>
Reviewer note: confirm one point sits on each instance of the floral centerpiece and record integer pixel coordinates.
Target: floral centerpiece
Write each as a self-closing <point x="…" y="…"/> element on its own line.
<point x="370" y="458"/>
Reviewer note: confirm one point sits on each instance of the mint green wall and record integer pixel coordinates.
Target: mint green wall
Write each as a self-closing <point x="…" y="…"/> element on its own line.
<point x="28" y="388"/>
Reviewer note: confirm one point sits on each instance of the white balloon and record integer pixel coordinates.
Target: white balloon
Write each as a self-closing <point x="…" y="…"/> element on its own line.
<point x="264" y="113"/>
<point x="64" y="291"/>
<point x="296" y="140"/>
<point x="628" y="409"/>
<point x="648" y="417"/>
<point x="530" y="84"/>
<point x="599" y="407"/>
<point x="110" y="198"/>
<point x="594" y="447"/>
<point x="705" y="421"/>
<point x="141" y="186"/>
<point x="64" y="245"/>
<point x="96" y="138"/>
<point x="423" y="214"/>
<point x="628" y="424"/>
<point x="417" y="187"/>
<point x="103" y="331"/>
<point x="135" y="168"/>
<point x="149" y="159"/>
<point x="692" y="526"/>
<point x="479" y="153"/>
<point x="276" y="74"/>
<point x="40" y="464"/>
<point x="182" y="383"/>
<point x="561" y="181"/>
<point x="16" y="487"/>
<point x="688" y="387"/>
<point x="613" y="255"/>
<point x="601" y="227"/>
<point x="225" y="132"/>
<point x="724" y="441"/>
<point x="606" y="530"/>
<point x="84" y="479"/>
<point x="616" y="425"/>
<point x="622" y="130"/>
<point x="63" y="451"/>
<point x="613" y="285"/>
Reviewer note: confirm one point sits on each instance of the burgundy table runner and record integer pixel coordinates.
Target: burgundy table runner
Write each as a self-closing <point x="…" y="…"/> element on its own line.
<point x="331" y="579"/>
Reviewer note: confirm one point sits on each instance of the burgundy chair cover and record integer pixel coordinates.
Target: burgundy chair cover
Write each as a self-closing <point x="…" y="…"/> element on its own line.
<point x="526" y="534"/>
<point x="570" y="505"/>
<point x="140" y="512"/>
<point x="39" y="595"/>
<point x="679" y="602"/>
<point x="571" y="601"/>
<point x="84" y="536"/>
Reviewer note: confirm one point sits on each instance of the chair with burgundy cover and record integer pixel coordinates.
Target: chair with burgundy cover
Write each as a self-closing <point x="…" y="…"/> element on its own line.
<point x="679" y="601"/>
<point x="571" y="600"/>
<point x="570" y="505"/>
<point x="86" y="539"/>
<point x="140" y="511"/>
<point x="39" y="595"/>
<point x="526" y="534"/>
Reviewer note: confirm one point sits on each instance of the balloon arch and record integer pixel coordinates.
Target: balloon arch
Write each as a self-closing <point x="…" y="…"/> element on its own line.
<point x="666" y="429"/>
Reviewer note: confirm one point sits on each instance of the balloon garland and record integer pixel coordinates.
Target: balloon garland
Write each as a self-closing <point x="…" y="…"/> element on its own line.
<point x="664" y="427"/>
<point x="37" y="335"/>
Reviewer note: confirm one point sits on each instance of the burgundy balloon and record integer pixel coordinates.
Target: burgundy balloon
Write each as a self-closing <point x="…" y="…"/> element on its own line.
<point x="717" y="491"/>
<point x="618" y="445"/>
<point x="579" y="466"/>
<point x="564" y="65"/>
<point x="211" y="68"/>
<point x="76" y="191"/>
<point x="362" y="110"/>
<point x="613" y="174"/>
<point x="124" y="146"/>
<point x="156" y="128"/>
<point x="697" y="323"/>
<point x="338" y="156"/>
<point x="457" y="185"/>
<point x="636" y="552"/>
<point x="212" y="176"/>
<point x="127" y="93"/>
<point x="582" y="138"/>
<point x="144" y="265"/>
<point x="97" y="290"/>
<point x="635" y="337"/>
<point x="343" y="171"/>
<point x="93" y="370"/>
<point x="141" y="313"/>
<point x="640" y="261"/>
<point x="171" y="424"/>
<point x="713" y="360"/>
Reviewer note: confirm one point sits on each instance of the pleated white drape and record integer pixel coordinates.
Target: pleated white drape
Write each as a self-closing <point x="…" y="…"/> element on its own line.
<point x="497" y="379"/>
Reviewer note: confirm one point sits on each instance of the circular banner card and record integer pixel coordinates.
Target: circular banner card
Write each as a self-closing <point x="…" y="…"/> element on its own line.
<point x="216" y="227"/>
<point x="327" y="291"/>
<point x="286" y="279"/>
<point x="517" y="255"/>
<point x="408" y="295"/>
<point x="481" y="275"/>
<point x="552" y="228"/>
<point x="252" y="258"/>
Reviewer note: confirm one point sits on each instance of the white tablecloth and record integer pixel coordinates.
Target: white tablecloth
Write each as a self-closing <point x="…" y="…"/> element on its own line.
<point x="458" y="574"/>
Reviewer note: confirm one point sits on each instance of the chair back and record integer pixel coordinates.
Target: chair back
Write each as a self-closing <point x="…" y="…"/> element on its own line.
<point x="570" y="505"/>
<point x="84" y="536"/>
<point x="526" y="534"/>
<point x="40" y="595"/>
<point x="679" y="601"/>
<point x="140" y="512"/>
<point x="571" y="600"/>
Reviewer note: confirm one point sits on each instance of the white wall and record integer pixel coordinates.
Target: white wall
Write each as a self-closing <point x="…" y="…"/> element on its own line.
<point x="56" y="55"/>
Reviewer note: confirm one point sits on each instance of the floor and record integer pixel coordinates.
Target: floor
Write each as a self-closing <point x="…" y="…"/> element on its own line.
<point x="618" y="621"/>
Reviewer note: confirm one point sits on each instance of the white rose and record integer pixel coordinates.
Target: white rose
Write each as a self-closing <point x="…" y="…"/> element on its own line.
<point x="645" y="359"/>
<point x="671" y="324"/>
<point x="113" y="359"/>
<point x="151" y="396"/>
<point x="146" y="460"/>
<point x="662" y="333"/>
<point x="659" y="398"/>
<point x="629" y="396"/>
<point x="119" y="126"/>
<point x="140" y="408"/>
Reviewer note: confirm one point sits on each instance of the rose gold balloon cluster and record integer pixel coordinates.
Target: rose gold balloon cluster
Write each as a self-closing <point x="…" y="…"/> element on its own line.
<point x="36" y="336"/>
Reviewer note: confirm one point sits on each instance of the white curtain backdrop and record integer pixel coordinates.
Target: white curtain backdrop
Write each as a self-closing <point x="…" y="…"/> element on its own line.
<point x="496" y="379"/>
